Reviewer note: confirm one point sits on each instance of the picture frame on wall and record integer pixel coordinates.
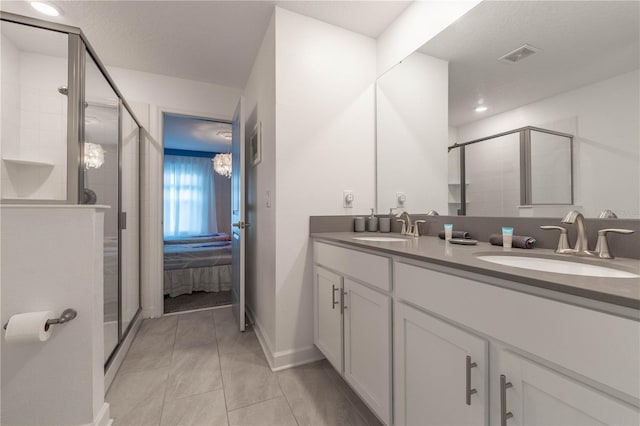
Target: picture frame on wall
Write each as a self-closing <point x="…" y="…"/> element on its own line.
<point x="255" y="145"/>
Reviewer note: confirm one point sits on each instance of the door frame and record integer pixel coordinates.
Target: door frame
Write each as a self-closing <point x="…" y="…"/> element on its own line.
<point x="155" y="288"/>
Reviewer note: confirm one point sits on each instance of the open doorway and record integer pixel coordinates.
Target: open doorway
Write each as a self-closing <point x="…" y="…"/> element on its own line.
<point x="197" y="213"/>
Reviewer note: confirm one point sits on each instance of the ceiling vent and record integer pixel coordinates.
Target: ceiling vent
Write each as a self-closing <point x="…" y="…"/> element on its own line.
<point x="519" y="54"/>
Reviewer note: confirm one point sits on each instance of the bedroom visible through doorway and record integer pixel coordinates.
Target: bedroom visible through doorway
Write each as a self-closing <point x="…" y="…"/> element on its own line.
<point x="197" y="213"/>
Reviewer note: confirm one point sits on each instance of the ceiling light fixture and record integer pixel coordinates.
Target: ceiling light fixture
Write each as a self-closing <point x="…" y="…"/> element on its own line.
<point x="222" y="164"/>
<point x="93" y="155"/>
<point x="46" y="8"/>
<point x="481" y="108"/>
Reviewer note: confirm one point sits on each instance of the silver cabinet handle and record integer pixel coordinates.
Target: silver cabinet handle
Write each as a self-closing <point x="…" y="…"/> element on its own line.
<point x="333" y="296"/>
<point x="468" y="390"/>
<point x="504" y="414"/>
<point x="344" y="293"/>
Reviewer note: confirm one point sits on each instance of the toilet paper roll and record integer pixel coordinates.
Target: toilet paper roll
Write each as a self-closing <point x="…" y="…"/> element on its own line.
<point x="29" y="327"/>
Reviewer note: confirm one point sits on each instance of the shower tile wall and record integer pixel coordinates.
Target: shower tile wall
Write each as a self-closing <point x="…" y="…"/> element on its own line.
<point x="34" y="117"/>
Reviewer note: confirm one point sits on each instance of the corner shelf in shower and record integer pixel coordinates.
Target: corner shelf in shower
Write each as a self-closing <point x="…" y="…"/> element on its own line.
<point x="27" y="162"/>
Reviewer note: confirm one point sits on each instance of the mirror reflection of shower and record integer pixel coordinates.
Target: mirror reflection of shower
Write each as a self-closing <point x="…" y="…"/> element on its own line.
<point x="100" y="151"/>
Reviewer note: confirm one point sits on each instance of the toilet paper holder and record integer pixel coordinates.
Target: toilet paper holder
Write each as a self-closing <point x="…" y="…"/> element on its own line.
<point x="66" y="316"/>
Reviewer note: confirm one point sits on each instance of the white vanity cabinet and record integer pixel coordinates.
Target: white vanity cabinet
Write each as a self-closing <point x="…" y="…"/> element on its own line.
<point x="328" y="315"/>
<point x="367" y="345"/>
<point x="470" y="349"/>
<point x="352" y="326"/>
<point x="566" y="346"/>
<point x="527" y="393"/>
<point x="441" y="372"/>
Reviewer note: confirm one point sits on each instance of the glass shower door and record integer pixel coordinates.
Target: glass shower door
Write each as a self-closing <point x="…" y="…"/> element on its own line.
<point x="101" y="185"/>
<point x="130" y="206"/>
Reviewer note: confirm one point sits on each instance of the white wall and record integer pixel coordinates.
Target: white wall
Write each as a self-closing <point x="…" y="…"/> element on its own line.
<point x="60" y="381"/>
<point x="412" y="134"/>
<point x="260" y="104"/>
<point x="10" y="86"/>
<point x="419" y="23"/>
<point x="35" y="116"/>
<point x="606" y="147"/>
<point x="325" y="124"/>
<point x="150" y="95"/>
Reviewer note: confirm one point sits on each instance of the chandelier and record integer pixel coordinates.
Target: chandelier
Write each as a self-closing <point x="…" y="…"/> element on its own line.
<point x="222" y="164"/>
<point x="93" y="155"/>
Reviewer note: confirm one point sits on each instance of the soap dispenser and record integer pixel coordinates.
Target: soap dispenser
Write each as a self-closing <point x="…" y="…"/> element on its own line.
<point x="372" y="223"/>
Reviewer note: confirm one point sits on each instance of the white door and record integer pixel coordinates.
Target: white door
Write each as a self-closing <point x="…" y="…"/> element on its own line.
<point x="328" y="315"/>
<point x="238" y="213"/>
<point x="367" y="346"/>
<point x="440" y="372"/>
<point x="530" y="394"/>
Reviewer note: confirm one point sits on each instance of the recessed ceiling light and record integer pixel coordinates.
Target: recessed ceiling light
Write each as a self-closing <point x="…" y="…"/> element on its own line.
<point x="481" y="108"/>
<point x="45" y="8"/>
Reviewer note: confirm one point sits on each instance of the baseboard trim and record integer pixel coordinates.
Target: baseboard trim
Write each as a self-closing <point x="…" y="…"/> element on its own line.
<point x="152" y="312"/>
<point x="264" y="341"/>
<point x="102" y="418"/>
<point x="284" y="359"/>
<point x="295" y="357"/>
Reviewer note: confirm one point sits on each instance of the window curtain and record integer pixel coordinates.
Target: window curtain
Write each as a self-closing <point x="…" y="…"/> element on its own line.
<point x="189" y="196"/>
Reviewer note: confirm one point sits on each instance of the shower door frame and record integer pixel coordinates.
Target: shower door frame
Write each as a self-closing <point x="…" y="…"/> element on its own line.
<point x="78" y="47"/>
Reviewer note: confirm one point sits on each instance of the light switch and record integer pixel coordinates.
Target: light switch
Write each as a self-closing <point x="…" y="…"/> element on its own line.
<point x="347" y="199"/>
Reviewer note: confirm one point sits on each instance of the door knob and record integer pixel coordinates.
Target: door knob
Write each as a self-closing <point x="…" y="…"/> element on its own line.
<point x="240" y="225"/>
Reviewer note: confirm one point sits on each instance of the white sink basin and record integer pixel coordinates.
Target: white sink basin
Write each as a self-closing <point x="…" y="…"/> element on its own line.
<point x="558" y="266"/>
<point x="382" y="239"/>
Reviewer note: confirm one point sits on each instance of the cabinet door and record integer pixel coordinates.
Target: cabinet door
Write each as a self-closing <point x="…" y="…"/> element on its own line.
<point x="328" y="316"/>
<point x="440" y="372"/>
<point x="535" y="395"/>
<point x="367" y="341"/>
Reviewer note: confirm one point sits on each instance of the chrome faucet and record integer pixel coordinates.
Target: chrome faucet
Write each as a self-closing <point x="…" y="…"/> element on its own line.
<point x="582" y="244"/>
<point x="607" y="214"/>
<point x="407" y="227"/>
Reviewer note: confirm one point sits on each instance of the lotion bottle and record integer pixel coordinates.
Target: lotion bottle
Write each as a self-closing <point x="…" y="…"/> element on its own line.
<point x="372" y="223"/>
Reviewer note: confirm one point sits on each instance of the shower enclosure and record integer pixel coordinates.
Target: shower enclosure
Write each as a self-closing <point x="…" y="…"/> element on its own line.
<point x="69" y="137"/>
<point x="511" y="172"/>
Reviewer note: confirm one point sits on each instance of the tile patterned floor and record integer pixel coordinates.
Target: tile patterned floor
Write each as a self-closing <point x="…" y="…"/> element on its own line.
<point x="197" y="369"/>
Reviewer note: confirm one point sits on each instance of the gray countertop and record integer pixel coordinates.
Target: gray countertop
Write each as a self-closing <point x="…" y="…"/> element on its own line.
<point x="618" y="291"/>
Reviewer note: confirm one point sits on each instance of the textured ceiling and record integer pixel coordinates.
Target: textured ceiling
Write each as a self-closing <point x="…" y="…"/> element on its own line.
<point x="211" y="41"/>
<point x="581" y="43"/>
<point x="196" y="134"/>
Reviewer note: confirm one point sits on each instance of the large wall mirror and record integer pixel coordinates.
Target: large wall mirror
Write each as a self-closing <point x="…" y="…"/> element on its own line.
<point x="543" y="98"/>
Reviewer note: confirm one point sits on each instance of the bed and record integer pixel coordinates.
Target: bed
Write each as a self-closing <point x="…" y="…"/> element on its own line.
<point x="198" y="263"/>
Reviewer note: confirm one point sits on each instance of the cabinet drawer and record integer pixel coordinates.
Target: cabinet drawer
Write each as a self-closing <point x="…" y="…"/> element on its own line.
<point x="369" y="268"/>
<point x="533" y="324"/>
